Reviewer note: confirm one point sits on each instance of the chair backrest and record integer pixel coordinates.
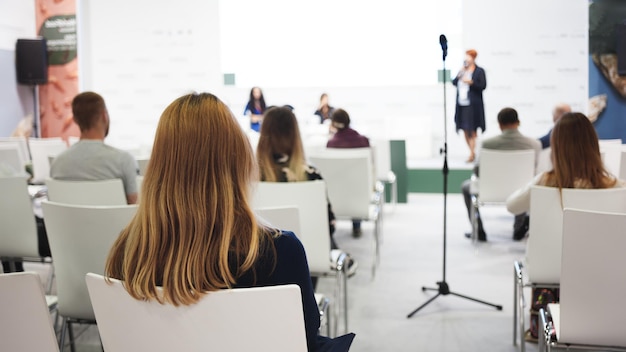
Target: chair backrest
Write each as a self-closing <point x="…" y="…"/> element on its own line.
<point x="18" y="232"/>
<point x="543" y="252"/>
<point x="310" y="199"/>
<point x="139" y="181"/>
<point x="622" y="165"/>
<point x="350" y="179"/>
<point x="382" y="159"/>
<point x="40" y="150"/>
<point x="245" y="319"/>
<point x="502" y="172"/>
<point x="26" y="324"/>
<point x="143" y="164"/>
<point x="612" y="149"/>
<point x="592" y="278"/>
<point x="20" y="144"/>
<point x="283" y="218"/>
<point x="10" y="156"/>
<point x="105" y="192"/>
<point x="80" y="239"/>
<point x="544" y="163"/>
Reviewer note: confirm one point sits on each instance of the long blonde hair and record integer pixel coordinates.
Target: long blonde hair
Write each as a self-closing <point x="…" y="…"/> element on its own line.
<point x="576" y="158"/>
<point x="194" y="230"/>
<point x="280" y="136"/>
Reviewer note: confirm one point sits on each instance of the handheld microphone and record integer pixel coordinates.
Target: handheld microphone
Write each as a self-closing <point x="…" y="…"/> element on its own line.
<point x="444" y="45"/>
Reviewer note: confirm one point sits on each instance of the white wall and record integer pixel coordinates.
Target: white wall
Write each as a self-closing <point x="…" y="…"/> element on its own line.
<point x="346" y="43"/>
<point x="17" y="20"/>
<point x="379" y="61"/>
<point x="141" y="54"/>
<point x="535" y="54"/>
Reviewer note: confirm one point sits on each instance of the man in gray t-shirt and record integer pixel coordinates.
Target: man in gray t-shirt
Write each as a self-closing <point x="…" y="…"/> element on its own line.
<point x="90" y="159"/>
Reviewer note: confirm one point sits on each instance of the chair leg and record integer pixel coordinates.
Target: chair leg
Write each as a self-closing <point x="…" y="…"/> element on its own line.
<point x="394" y="194"/>
<point x="70" y="330"/>
<point x="50" y="279"/>
<point x="337" y="305"/>
<point x="345" y="301"/>
<point x="474" y="217"/>
<point x="63" y="330"/>
<point x="521" y="314"/>
<point x="515" y="293"/>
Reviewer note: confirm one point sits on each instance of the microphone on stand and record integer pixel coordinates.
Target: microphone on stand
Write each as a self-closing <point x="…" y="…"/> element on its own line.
<point x="444" y="45"/>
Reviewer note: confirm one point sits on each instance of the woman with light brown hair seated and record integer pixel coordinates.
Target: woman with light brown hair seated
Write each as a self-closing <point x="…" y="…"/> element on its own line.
<point x="194" y="231"/>
<point x="576" y="162"/>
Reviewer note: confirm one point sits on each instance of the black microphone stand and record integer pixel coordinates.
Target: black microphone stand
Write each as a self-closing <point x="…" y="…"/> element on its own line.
<point x="442" y="286"/>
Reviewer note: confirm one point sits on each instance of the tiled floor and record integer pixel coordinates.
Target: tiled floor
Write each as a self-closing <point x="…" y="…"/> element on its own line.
<point x="411" y="257"/>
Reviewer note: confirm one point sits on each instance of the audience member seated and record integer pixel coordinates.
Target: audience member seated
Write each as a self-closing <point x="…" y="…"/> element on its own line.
<point x="558" y="111"/>
<point x="194" y="231"/>
<point x="346" y="137"/>
<point x="509" y="139"/>
<point x="324" y="110"/>
<point x="255" y="107"/>
<point x="576" y="160"/>
<point x="577" y="163"/>
<point x="90" y="159"/>
<point x="281" y="158"/>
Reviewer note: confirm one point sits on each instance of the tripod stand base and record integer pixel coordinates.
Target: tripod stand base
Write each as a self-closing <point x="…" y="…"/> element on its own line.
<point x="444" y="289"/>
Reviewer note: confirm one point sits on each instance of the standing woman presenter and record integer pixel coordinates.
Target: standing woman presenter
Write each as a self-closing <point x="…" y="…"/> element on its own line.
<point x="470" y="111"/>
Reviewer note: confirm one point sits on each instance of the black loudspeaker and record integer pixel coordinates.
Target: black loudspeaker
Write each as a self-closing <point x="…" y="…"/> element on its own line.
<point x="620" y="34"/>
<point x="31" y="61"/>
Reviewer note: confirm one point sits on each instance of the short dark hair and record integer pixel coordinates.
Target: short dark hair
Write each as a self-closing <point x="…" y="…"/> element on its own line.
<point x="507" y="116"/>
<point x="340" y="119"/>
<point x="87" y="107"/>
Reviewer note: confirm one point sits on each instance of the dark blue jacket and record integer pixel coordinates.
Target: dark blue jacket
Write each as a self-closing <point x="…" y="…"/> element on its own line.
<point x="475" y="97"/>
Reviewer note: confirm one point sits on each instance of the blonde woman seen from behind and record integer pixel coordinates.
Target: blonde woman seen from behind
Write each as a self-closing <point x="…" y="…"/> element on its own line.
<point x="194" y="231"/>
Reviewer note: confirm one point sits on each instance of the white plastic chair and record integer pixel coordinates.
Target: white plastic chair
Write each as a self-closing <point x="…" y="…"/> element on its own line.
<point x="384" y="173"/>
<point x="352" y="188"/>
<point x="139" y="181"/>
<point x="612" y="149"/>
<point x="544" y="163"/>
<point x="310" y="199"/>
<point x="543" y="251"/>
<point x="143" y="164"/>
<point x="80" y="239"/>
<point x="26" y="324"/>
<point x="622" y="165"/>
<point x="40" y="150"/>
<point x="10" y="156"/>
<point x="245" y="319"/>
<point x="590" y="314"/>
<point x="106" y="192"/>
<point x="20" y="144"/>
<point x="288" y="218"/>
<point x="18" y="232"/>
<point x="502" y="172"/>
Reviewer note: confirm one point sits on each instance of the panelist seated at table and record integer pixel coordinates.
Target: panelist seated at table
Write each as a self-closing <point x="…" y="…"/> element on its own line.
<point x="90" y="159"/>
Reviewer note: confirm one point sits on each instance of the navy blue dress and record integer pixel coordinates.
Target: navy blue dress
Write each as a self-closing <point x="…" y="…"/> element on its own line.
<point x="473" y="117"/>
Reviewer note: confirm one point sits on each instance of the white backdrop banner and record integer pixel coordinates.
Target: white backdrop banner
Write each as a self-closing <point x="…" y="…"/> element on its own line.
<point x="535" y="54"/>
<point x="141" y="55"/>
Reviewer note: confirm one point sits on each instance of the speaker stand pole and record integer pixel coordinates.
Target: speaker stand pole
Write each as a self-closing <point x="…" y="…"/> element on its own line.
<point x="36" y="112"/>
<point x="442" y="286"/>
